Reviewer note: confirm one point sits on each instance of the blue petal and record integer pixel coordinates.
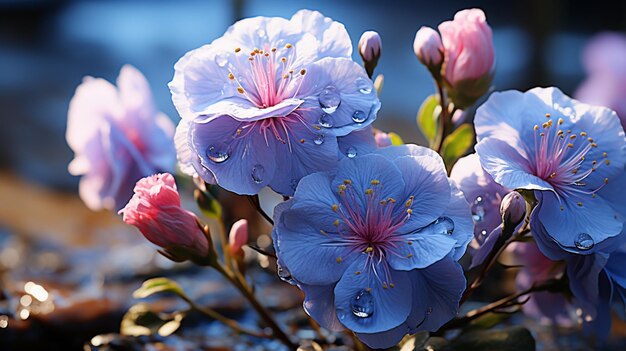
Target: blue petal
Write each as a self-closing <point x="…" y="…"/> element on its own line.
<point x="426" y="247"/>
<point x="319" y="303"/>
<point x="310" y="254"/>
<point x="389" y="307"/>
<point x="437" y="291"/>
<point x="508" y="166"/>
<point x="427" y="181"/>
<point x="359" y="102"/>
<point x="615" y="267"/>
<point x="459" y="212"/>
<point x="384" y="339"/>
<point x="246" y="111"/>
<point x="393" y="152"/>
<point x="595" y="218"/>
<point x="250" y="163"/>
<point x="583" y="274"/>
<point x="486" y="247"/>
<point x="362" y="170"/>
<point x="357" y="143"/>
<point x="307" y="152"/>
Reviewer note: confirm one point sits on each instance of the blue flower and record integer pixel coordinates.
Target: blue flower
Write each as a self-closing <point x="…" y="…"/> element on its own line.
<point x="572" y="156"/>
<point x="567" y="152"/>
<point x="374" y="245"/>
<point x="118" y="137"/>
<point x="265" y="104"/>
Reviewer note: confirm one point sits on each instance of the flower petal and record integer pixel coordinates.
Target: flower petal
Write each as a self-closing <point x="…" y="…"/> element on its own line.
<point x="319" y="303"/>
<point x="421" y="249"/>
<point x="387" y="308"/>
<point x="333" y="38"/>
<point x="507" y="166"/>
<point x="358" y="142"/>
<point x="437" y="291"/>
<point x="595" y="218"/>
<point x="240" y="163"/>
<point x="347" y="94"/>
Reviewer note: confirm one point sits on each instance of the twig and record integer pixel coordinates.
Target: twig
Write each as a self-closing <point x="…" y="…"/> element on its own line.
<point x="226" y="321"/>
<point x="254" y="200"/>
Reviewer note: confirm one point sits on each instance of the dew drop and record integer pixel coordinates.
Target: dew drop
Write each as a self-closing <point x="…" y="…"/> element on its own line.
<point x="478" y="209"/>
<point x="363" y="85"/>
<point x="351" y="153"/>
<point x="362" y="304"/>
<point x="359" y="116"/>
<point x="443" y="225"/>
<point x="319" y="139"/>
<point x="583" y="241"/>
<point x="483" y="232"/>
<point x="326" y="120"/>
<point x="285" y="275"/>
<point x="216" y="154"/>
<point x="221" y="59"/>
<point x="258" y="172"/>
<point x="329" y="99"/>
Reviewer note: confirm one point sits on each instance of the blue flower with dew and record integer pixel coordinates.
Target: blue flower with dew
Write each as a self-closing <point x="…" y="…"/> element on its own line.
<point x="374" y="245"/>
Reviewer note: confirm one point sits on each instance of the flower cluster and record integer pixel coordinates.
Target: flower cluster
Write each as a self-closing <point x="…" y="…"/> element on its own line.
<point x="370" y="229"/>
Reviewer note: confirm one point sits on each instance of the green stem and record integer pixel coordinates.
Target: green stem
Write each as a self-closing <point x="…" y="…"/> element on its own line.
<point x="240" y="283"/>
<point x="504" y="302"/>
<point x="226" y="321"/>
<point x="444" y="117"/>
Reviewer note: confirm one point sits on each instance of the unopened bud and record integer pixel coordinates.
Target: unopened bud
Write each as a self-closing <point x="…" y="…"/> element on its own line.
<point x="370" y="47"/>
<point x="428" y="48"/>
<point x="238" y="236"/>
<point x="513" y="209"/>
<point x="156" y="211"/>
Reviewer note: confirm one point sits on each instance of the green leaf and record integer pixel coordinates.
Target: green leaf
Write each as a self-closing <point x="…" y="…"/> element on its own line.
<point x="157" y="285"/>
<point x="456" y="144"/>
<point x="396" y="140"/>
<point x="378" y="83"/>
<point x="141" y="320"/>
<point x="427" y="118"/>
<point x="208" y="204"/>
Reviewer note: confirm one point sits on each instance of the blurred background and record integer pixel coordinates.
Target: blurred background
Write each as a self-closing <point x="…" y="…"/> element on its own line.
<point x="48" y="46"/>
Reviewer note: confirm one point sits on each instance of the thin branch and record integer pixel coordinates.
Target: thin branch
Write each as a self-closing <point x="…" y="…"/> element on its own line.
<point x="254" y="200"/>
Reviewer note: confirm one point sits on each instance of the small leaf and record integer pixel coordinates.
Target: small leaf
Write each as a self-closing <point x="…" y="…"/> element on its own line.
<point x="456" y="144"/>
<point x="208" y="204"/>
<point x="157" y="285"/>
<point x="427" y="118"/>
<point x="141" y="320"/>
<point x="396" y="140"/>
<point x="378" y="83"/>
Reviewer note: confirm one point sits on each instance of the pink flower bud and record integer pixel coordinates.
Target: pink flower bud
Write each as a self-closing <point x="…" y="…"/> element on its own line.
<point x="513" y="208"/>
<point x="370" y="47"/>
<point x="468" y="56"/>
<point x="155" y="210"/>
<point x="238" y="236"/>
<point x="382" y="139"/>
<point x="428" y="47"/>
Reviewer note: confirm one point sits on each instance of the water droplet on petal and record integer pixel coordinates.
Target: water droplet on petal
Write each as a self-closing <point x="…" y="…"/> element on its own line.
<point x="351" y="153"/>
<point x="258" y="172"/>
<point x="217" y="154"/>
<point x="584" y="241"/>
<point x="483" y="232"/>
<point x="443" y="225"/>
<point x="319" y="139"/>
<point x="362" y="304"/>
<point x="326" y="120"/>
<point x="359" y="116"/>
<point x="221" y="59"/>
<point x="363" y="85"/>
<point x="285" y="275"/>
<point x="329" y="99"/>
<point x="478" y="209"/>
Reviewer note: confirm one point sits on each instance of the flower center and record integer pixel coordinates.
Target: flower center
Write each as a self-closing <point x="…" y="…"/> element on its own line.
<point x="560" y="158"/>
<point x="269" y="76"/>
